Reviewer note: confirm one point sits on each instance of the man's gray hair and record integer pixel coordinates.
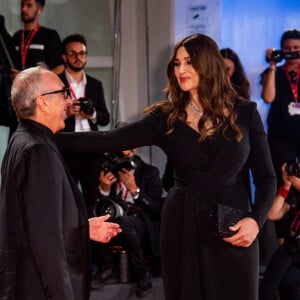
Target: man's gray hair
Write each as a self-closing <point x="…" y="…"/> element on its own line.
<point x="26" y="87"/>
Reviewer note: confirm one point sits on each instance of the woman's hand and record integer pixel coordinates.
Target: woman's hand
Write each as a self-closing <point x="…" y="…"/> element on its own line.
<point x="247" y="230"/>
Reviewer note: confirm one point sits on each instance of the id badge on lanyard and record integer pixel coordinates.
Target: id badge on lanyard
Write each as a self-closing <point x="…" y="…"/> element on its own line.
<point x="294" y="107"/>
<point x="25" y="44"/>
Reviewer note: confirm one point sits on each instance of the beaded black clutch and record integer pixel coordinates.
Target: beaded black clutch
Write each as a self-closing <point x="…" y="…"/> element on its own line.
<point x="221" y="217"/>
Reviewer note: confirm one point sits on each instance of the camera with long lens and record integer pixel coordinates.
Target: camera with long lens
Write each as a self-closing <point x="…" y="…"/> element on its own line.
<point x="116" y="162"/>
<point x="293" y="168"/>
<point x="86" y="105"/>
<point x="111" y="205"/>
<point x="114" y="206"/>
<point x="278" y="56"/>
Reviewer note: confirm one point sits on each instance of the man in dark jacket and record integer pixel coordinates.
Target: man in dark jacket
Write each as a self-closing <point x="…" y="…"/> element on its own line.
<point x="44" y="229"/>
<point x="87" y="112"/>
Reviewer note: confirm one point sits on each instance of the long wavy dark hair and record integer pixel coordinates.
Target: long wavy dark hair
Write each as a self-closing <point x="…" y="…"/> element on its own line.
<point x="238" y="79"/>
<point x="216" y="94"/>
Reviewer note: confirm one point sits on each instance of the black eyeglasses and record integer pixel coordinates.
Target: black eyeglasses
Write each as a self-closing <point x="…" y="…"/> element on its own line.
<point x="65" y="91"/>
<point x="74" y="54"/>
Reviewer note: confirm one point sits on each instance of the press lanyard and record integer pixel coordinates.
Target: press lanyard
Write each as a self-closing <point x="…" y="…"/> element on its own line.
<point x="125" y="193"/>
<point x="72" y="91"/>
<point x="25" y="46"/>
<point x="295" y="224"/>
<point x="293" y="85"/>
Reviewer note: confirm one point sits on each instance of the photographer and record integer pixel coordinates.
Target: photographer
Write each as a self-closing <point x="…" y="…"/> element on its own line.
<point x="141" y="189"/>
<point x="33" y="45"/>
<point x="87" y="112"/>
<point x="281" y="89"/>
<point x="283" y="270"/>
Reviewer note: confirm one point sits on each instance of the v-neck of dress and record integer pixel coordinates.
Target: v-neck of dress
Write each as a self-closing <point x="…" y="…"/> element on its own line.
<point x="191" y="128"/>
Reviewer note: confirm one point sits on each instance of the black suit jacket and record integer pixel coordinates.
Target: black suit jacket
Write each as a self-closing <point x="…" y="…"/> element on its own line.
<point x="94" y="91"/>
<point x="44" y="232"/>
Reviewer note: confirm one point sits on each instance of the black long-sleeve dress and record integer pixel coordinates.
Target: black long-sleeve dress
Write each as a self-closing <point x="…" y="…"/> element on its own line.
<point x="195" y="265"/>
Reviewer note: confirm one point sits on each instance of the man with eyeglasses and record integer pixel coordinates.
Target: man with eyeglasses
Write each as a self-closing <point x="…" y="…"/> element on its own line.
<point x="44" y="228"/>
<point x="87" y="112"/>
<point x="34" y="44"/>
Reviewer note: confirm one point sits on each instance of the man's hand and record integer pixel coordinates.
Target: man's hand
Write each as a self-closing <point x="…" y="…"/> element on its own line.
<point x="74" y="108"/>
<point x="106" y="180"/>
<point x="85" y="116"/>
<point x="127" y="177"/>
<point x="101" y="231"/>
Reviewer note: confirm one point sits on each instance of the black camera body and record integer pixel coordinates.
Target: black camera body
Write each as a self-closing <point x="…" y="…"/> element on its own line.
<point x="293" y="168"/>
<point x="116" y="162"/>
<point x="86" y="105"/>
<point x="278" y="56"/>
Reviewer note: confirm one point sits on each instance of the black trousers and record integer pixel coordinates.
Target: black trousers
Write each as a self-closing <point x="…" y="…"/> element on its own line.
<point x="283" y="274"/>
<point x="290" y="286"/>
<point x="133" y="235"/>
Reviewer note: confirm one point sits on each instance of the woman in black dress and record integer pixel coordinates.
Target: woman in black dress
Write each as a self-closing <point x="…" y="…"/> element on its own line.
<point x="208" y="134"/>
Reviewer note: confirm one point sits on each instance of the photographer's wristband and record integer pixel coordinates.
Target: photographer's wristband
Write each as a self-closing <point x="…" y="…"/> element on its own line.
<point x="283" y="192"/>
